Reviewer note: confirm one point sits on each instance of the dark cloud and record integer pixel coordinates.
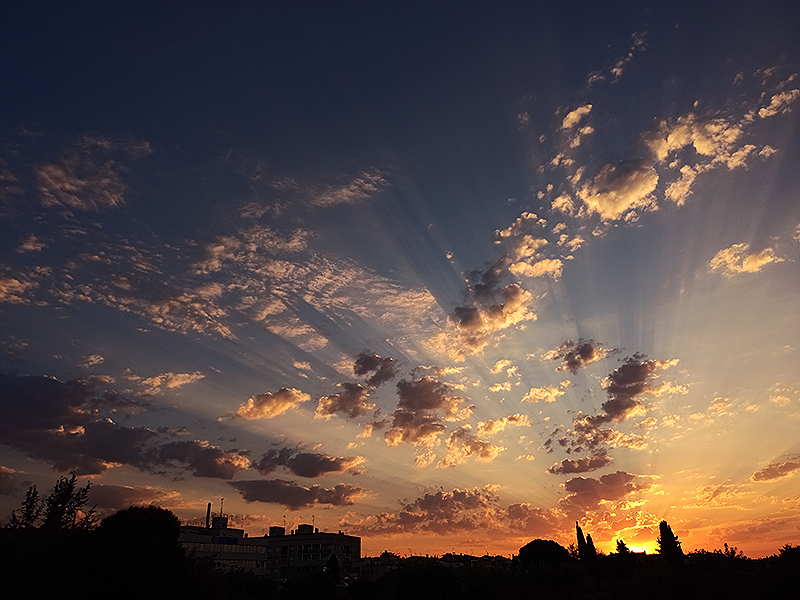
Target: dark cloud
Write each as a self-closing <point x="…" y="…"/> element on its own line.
<point x="62" y="422"/>
<point x="580" y="465"/>
<point x="574" y="355"/>
<point x="295" y="497"/>
<point x="523" y="518"/>
<point x="305" y="464"/>
<point x="492" y="310"/>
<point x="122" y="496"/>
<point x="440" y="512"/>
<point x="204" y="460"/>
<point x="428" y="394"/>
<point x="626" y="383"/>
<point x="353" y="401"/>
<point x="778" y="470"/>
<point x="9" y="483"/>
<point x="414" y="428"/>
<point x="383" y="369"/>
<point x="587" y="492"/>
<point x="416" y="419"/>
<point x="623" y="388"/>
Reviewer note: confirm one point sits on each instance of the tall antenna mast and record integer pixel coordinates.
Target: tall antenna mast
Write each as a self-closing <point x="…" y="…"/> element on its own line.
<point x="221" y="504"/>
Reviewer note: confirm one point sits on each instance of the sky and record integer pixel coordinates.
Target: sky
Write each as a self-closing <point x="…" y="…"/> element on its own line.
<point x="447" y="278"/>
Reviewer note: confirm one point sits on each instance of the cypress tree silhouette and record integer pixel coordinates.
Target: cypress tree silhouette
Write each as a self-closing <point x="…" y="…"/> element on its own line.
<point x="586" y="550"/>
<point x="668" y="545"/>
<point x="591" y="553"/>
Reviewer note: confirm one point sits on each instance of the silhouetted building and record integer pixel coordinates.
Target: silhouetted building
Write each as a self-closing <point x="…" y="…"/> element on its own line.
<point x="279" y="555"/>
<point x="307" y="550"/>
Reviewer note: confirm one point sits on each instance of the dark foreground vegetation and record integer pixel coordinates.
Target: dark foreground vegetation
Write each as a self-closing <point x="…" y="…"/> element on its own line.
<point x="53" y="547"/>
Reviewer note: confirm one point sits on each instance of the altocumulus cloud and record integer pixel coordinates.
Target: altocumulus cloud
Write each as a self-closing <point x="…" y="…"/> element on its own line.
<point x="294" y="496"/>
<point x="778" y="470"/>
<point x="305" y="464"/>
<point x="272" y="404"/>
<point x="738" y="259"/>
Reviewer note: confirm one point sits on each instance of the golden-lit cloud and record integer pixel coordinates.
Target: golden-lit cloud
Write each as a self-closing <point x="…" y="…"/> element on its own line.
<point x="272" y="404"/>
<point x="618" y="189"/>
<point x="575" y="355"/>
<point x="156" y="385"/>
<point x="778" y="470"/>
<point x="89" y="175"/>
<point x="734" y="260"/>
<point x="492" y="426"/>
<point x="352" y="401"/>
<point x="548" y="393"/>
<point x="574" y="116"/>
<point x="779" y="103"/>
<point x="462" y="444"/>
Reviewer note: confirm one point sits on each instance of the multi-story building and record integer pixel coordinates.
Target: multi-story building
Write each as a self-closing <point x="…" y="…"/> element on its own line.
<point x="230" y="548"/>
<point x="307" y="550"/>
<point x="304" y="551"/>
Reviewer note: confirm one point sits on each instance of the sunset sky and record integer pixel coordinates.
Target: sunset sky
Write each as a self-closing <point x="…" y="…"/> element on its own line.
<point x="446" y="280"/>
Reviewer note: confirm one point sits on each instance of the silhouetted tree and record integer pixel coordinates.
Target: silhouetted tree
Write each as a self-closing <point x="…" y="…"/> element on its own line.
<point x="542" y="551"/>
<point x="622" y="547"/>
<point x="581" y="541"/>
<point x="140" y="545"/>
<point x="668" y="545"/>
<point x="62" y="506"/>
<point x="591" y="553"/>
<point x="29" y="513"/>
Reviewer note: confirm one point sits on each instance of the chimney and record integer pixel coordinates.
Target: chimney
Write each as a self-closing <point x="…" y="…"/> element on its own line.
<point x="208" y="516"/>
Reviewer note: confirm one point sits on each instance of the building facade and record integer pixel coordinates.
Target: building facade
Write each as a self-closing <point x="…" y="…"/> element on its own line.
<point x="304" y="551"/>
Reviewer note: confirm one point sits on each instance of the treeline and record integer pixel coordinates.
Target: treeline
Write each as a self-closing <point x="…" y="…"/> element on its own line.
<point x="56" y="547"/>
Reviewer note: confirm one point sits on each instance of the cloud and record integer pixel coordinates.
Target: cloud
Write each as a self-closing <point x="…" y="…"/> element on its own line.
<point x="65" y="423"/>
<point x="581" y="465"/>
<point x="416" y="420"/>
<point x="547" y="393"/>
<point x="492" y="426"/>
<point x="474" y="326"/>
<point x="353" y="401"/>
<point x="462" y="444"/>
<point x="272" y="404"/>
<point x="89" y="174"/>
<point x="442" y="513"/>
<point x="709" y="137"/>
<point x="545" y="266"/>
<point x="10" y="484"/>
<point x="122" y="496"/>
<point x="383" y="368"/>
<point x="623" y="387"/>
<point x="779" y="103"/>
<point x="305" y="464"/>
<point x="499" y="366"/>
<point x="575" y="355"/>
<point x="14" y="290"/>
<point x="734" y="260"/>
<point x="204" y="459"/>
<point x="620" y="188"/>
<point x="420" y="429"/>
<point x="156" y="385"/>
<point x="427" y="395"/>
<point x="778" y="470"/>
<point x="586" y="492"/>
<point x="362" y="187"/>
<point x="574" y="117"/>
<point x="295" y="497"/>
